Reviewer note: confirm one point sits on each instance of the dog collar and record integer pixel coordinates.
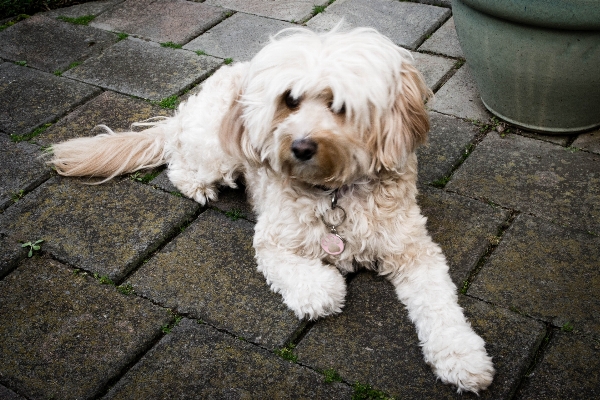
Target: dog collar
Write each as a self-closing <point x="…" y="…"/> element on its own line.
<point x="332" y="243"/>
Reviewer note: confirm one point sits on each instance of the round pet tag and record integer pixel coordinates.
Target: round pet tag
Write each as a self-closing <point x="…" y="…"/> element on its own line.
<point x="332" y="244"/>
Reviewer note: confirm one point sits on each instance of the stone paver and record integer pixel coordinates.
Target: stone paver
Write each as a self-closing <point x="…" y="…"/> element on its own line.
<point x="434" y="69"/>
<point x="444" y="41"/>
<point x="176" y="21"/>
<point x="112" y="109"/>
<point x="441" y="3"/>
<point x="407" y="24"/>
<point x="196" y="361"/>
<point x="30" y="98"/>
<point x="535" y="177"/>
<point x="239" y="37"/>
<point x="230" y="200"/>
<point x="106" y="229"/>
<point x="209" y="272"/>
<point x="448" y="143"/>
<point x="82" y="10"/>
<point x="569" y="369"/>
<point x="52" y="45"/>
<point x="460" y="97"/>
<point x="65" y="336"/>
<point x="235" y="201"/>
<point x="588" y="141"/>
<point x="10" y="255"/>
<point x="518" y="221"/>
<point x="561" y="140"/>
<point x="21" y="170"/>
<point x="286" y="10"/>
<point x="7" y="394"/>
<point x="533" y="271"/>
<point x="162" y="182"/>
<point x="144" y="69"/>
<point x="387" y="355"/>
<point x="463" y="227"/>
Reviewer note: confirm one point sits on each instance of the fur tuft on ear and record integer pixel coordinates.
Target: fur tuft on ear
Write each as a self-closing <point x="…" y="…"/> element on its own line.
<point x="233" y="136"/>
<point x="398" y="133"/>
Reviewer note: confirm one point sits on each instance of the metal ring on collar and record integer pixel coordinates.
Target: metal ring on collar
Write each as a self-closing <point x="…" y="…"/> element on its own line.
<point x="341" y="222"/>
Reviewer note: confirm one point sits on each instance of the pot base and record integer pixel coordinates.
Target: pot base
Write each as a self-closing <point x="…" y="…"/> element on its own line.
<point x="541" y="129"/>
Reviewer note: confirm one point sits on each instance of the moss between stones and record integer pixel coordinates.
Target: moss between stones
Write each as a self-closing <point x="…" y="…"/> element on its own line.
<point x="365" y="391"/>
<point x="287" y="353"/>
<point x="83" y="20"/>
<point x="27" y="137"/>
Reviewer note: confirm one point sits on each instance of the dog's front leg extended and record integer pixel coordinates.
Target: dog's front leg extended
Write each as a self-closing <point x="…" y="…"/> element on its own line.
<point x="309" y="288"/>
<point x="454" y="351"/>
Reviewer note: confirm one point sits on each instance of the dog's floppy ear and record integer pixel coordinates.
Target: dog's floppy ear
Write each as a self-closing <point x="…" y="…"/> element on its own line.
<point x="233" y="135"/>
<point x="400" y="131"/>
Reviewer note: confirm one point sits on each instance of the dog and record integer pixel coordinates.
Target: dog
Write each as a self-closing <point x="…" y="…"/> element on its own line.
<point x="323" y="129"/>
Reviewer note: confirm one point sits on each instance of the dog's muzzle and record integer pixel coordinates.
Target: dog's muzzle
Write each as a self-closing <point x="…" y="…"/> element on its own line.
<point x="304" y="149"/>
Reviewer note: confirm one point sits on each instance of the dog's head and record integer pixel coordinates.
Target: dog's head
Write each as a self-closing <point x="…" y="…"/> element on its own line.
<point x="329" y="109"/>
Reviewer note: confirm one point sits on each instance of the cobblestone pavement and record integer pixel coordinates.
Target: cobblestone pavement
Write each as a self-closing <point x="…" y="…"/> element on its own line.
<point x="139" y="293"/>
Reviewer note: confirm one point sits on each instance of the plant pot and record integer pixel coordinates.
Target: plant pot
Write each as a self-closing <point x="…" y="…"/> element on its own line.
<point x="536" y="63"/>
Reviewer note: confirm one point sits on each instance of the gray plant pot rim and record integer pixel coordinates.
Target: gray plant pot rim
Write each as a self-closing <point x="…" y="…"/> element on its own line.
<point x="556" y="14"/>
<point x="540" y="129"/>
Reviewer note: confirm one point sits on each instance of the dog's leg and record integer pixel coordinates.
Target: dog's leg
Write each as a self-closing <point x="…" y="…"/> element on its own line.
<point x="309" y="288"/>
<point x="454" y="351"/>
<point x="200" y="181"/>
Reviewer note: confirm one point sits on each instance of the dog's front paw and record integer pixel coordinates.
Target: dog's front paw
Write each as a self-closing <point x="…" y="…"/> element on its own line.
<point x="319" y="297"/>
<point x="201" y="193"/>
<point x="463" y="362"/>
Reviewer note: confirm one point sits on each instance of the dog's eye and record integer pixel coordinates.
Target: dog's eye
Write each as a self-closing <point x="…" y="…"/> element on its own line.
<point x="290" y="101"/>
<point x="341" y="111"/>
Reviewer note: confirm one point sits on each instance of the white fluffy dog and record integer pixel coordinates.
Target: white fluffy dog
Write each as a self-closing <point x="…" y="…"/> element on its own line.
<point x="324" y="129"/>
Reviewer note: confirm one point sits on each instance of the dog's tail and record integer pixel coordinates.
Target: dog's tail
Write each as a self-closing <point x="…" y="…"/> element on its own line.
<point x="110" y="154"/>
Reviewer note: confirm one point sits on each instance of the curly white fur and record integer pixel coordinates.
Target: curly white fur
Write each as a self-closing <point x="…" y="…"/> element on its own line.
<point x="311" y="114"/>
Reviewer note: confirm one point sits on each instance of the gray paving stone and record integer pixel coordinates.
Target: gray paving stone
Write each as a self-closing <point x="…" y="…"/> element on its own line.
<point x="10" y="255"/>
<point x="193" y="91"/>
<point x="66" y="336"/>
<point x="239" y="37"/>
<point x="460" y="97"/>
<point x="406" y="24"/>
<point x="449" y="140"/>
<point x="534" y="177"/>
<point x="106" y="229"/>
<point x="568" y="370"/>
<point x="112" y="109"/>
<point x="162" y="21"/>
<point x="561" y="140"/>
<point x="82" y="10"/>
<point x="441" y="3"/>
<point x="209" y="272"/>
<point x="534" y="270"/>
<point x="374" y="342"/>
<point x="286" y="10"/>
<point x="444" y="41"/>
<point x="464" y="228"/>
<point x="145" y="69"/>
<point x="162" y="182"/>
<point x="7" y="394"/>
<point x="235" y="201"/>
<point x="196" y="361"/>
<point x="588" y="141"/>
<point x="20" y="170"/>
<point x="30" y="98"/>
<point x="433" y="68"/>
<point x="50" y="45"/>
<point x="230" y="200"/>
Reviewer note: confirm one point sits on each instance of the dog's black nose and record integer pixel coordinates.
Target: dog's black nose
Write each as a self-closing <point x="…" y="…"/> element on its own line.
<point x="304" y="149"/>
